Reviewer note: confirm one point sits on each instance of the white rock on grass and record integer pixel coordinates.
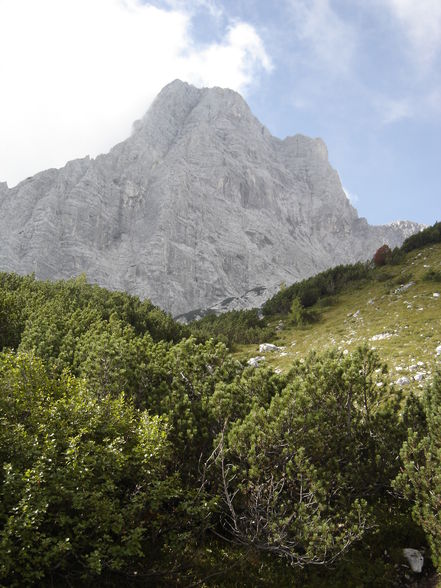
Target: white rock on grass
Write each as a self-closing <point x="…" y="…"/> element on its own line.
<point x="403" y="381"/>
<point x="438" y="350"/>
<point x="264" y="347"/>
<point x="419" y="376"/>
<point x="255" y="361"/>
<point x="381" y="336"/>
<point x="436" y="294"/>
<point x="404" y="287"/>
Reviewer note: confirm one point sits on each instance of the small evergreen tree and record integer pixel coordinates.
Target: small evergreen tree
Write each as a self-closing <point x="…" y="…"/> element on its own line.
<point x="420" y="478"/>
<point x="299" y="315"/>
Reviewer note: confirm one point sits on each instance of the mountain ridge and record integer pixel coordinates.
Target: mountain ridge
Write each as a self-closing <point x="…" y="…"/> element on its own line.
<point x="201" y="203"/>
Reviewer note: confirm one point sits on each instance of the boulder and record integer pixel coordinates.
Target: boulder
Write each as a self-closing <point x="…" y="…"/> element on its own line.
<point x="404" y="287"/>
<point x="403" y="381"/>
<point x="255" y="361"/>
<point x="415" y="559"/>
<point x="381" y="336"/>
<point x="265" y="347"/>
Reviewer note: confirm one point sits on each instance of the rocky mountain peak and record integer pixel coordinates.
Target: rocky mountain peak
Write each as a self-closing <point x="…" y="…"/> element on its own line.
<point x="200" y="204"/>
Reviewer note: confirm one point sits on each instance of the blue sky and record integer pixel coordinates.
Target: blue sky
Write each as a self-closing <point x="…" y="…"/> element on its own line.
<point x="363" y="75"/>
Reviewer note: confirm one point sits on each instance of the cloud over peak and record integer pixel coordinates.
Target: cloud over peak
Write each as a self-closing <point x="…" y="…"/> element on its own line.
<point x="76" y="73"/>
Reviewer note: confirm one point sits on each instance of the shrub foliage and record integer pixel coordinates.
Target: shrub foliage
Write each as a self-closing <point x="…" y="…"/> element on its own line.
<point x="131" y="450"/>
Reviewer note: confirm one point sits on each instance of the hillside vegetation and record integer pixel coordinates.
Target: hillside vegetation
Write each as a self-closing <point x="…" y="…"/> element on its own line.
<point x="137" y="451"/>
<point x="395" y="310"/>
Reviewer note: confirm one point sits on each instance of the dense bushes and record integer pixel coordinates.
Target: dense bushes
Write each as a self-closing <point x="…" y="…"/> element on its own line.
<point x="83" y="482"/>
<point x="297" y="466"/>
<point x="303" y="475"/>
<point x="432" y="276"/>
<point x="47" y="315"/>
<point x="309" y="291"/>
<point x="428" y="236"/>
<point x="420" y="479"/>
<point x="237" y="326"/>
<point x="202" y="461"/>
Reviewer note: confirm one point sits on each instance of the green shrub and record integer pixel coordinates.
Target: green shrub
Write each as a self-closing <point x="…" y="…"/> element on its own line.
<point x="384" y="276"/>
<point x="299" y="315"/>
<point x="428" y="236"/>
<point x="401" y="279"/>
<point x="397" y="256"/>
<point x="432" y="276"/>
<point x="309" y="291"/>
<point x="230" y="328"/>
<point x="82" y="480"/>
<point x="305" y="476"/>
<point x="420" y="478"/>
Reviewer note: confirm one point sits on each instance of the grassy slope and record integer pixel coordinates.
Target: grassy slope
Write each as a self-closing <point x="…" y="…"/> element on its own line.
<point x="412" y="317"/>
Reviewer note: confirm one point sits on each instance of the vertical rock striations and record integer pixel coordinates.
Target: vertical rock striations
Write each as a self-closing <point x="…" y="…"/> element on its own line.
<point x="199" y="204"/>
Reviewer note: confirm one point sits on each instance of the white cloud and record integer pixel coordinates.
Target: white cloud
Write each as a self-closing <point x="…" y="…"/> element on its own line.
<point x="392" y="111"/>
<point x="331" y="40"/>
<point x="76" y="73"/>
<point x="353" y="198"/>
<point x="211" y="6"/>
<point x="229" y="64"/>
<point x="421" y="22"/>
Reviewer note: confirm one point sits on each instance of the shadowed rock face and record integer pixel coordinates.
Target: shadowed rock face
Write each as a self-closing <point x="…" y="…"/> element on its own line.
<point x="199" y="204"/>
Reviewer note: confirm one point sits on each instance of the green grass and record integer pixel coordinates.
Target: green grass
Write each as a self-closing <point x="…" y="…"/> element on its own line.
<point x="411" y="317"/>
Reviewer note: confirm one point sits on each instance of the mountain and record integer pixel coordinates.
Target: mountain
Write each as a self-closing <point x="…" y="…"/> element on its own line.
<point x="201" y="203"/>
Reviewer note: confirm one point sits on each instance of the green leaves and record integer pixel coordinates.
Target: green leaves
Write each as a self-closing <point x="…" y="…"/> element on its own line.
<point x="420" y="478"/>
<point x="299" y="475"/>
<point x="238" y="463"/>
<point x="80" y="476"/>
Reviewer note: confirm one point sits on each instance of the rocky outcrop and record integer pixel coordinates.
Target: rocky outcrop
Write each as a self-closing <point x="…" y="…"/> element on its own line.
<point x="200" y="204"/>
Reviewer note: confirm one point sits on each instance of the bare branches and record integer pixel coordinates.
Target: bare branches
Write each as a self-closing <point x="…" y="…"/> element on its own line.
<point x="280" y="513"/>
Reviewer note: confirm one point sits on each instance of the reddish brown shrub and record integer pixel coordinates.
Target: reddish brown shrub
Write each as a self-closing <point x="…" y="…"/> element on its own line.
<point x="382" y="255"/>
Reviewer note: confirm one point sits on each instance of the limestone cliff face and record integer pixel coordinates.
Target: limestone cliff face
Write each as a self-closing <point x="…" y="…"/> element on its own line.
<point x="199" y="204"/>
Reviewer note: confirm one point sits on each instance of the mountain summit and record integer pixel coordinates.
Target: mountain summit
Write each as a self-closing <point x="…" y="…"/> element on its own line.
<point x="199" y="204"/>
